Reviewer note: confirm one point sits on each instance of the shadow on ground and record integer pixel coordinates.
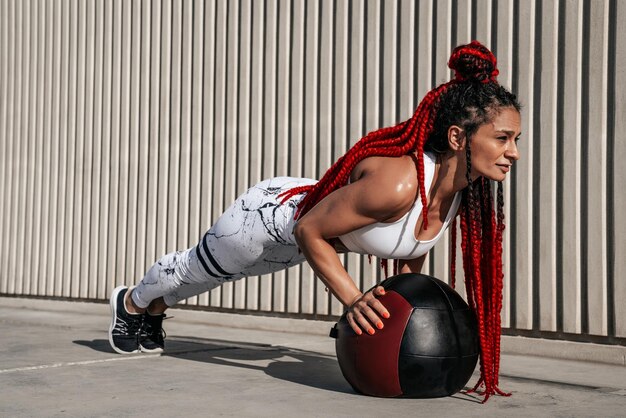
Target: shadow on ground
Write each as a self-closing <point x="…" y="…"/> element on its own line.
<point x="290" y="364"/>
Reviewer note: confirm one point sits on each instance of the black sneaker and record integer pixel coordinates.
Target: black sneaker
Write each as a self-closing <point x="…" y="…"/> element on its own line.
<point x="125" y="327"/>
<point x="152" y="336"/>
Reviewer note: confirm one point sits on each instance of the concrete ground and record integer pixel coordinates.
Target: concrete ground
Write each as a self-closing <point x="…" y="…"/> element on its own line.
<point x="55" y="361"/>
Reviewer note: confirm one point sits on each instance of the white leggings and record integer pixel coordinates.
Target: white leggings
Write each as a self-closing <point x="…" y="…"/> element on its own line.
<point x="254" y="236"/>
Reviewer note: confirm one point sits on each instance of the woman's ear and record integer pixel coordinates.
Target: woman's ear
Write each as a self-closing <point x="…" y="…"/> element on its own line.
<point x="456" y="138"/>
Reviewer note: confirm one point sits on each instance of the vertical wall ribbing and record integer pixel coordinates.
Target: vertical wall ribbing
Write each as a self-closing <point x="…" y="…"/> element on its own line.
<point x="127" y="127"/>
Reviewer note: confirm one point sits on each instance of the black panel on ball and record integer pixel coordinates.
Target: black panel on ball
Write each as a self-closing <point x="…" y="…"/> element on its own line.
<point x="434" y="377"/>
<point x="439" y="349"/>
<point x="431" y="333"/>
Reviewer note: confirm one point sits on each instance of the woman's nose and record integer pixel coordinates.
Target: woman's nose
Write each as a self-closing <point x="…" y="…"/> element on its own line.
<point x="511" y="151"/>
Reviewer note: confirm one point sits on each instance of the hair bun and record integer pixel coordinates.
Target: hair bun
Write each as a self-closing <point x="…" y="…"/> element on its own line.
<point x="473" y="62"/>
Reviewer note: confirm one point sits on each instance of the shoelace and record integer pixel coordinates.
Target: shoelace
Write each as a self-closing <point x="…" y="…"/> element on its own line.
<point x="126" y="328"/>
<point x="147" y="330"/>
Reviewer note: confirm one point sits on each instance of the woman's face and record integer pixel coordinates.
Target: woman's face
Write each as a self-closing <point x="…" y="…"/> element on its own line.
<point x="494" y="146"/>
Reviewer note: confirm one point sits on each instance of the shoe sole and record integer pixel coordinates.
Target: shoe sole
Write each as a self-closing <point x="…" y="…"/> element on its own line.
<point x="153" y="351"/>
<point x="113" y="304"/>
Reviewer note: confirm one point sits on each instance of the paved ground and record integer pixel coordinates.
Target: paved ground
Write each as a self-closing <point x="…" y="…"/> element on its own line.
<point x="56" y="362"/>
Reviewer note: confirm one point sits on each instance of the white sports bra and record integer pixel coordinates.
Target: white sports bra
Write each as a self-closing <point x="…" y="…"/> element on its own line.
<point x="396" y="240"/>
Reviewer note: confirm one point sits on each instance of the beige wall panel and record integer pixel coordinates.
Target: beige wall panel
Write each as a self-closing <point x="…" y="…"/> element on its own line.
<point x="283" y="80"/>
<point x="439" y="257"/>
<point x="463" y="24"/>
<point x="151" y="123"/>
<point x="423" y="56"/>
<point x="71" y="150"/>
<point x="8" y="131"/>
<point x="42" y="249"/>
<point x="22" y="283"/>
<point x="425" y="71"/>
<point x="185" y="239"/>
<point x="37" y="134"/>
<point x="309" y="284"/>
<point x="523" y="171"/>
<point x="132" y="57"/>
<point x="504" y="50"/>
<point x="266" y="282"/>
<point x="196" y="207"/>
<point x="164" y="143"/>
<point x="462" y="27"/>
<point x="356" y="38"/>
<point x="178" y="189"/>
<point x="619" y="171"/>
<point x="390" y="60"/>
<point x="115" y="149"/>
<point x="94" y="242"/>
<point x="279" y="135"/>
<point x="595" y="161"/>
<point x="125" y="164"/>
<point x="547" y="158"/>
<point x="195" y="42"/>
<point x="231" y="130"/>
<point x="5" y="144"/>
<point x="173" y="134"/>
<point x="406" y="60"/>
<point x="571" y="166"/>
<point x="22" y="168"/>
<point x="81" y="171"/>
<point x="243" y="123"/>
<point x="340" y="139"/>
<point x="219" y="132"/>
<point x="105" y="149"/>
<point x="255" y="118"/>
<point x="325" y="119"/>
<point x="82" y="261"/>
<point x="32" y="148"/>
<point x="373" y="100"/>
<point x="208" y="122"/>
<point x="13" y="192"/>
<point x="65" y="157"/>
<point x="286" y="297"/>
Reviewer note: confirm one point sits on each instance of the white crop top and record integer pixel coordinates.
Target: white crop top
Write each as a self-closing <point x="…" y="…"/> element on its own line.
<point x="396" y="240"/>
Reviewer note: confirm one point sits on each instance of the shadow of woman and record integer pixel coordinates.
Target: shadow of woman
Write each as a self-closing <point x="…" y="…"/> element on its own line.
<point x="286" y="363"/>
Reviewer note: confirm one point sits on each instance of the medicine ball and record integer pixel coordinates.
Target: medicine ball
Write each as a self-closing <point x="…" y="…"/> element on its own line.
<point x="428" y="347"/>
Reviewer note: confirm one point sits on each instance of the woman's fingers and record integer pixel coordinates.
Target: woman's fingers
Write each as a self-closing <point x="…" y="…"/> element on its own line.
<point x="377" y="305"/>
<point x="359" y="322"/>
<point x="363" y="315"/>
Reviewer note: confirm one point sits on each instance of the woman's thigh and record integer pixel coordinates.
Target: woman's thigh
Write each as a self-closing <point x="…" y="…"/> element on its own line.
<point x="254" y="235"/>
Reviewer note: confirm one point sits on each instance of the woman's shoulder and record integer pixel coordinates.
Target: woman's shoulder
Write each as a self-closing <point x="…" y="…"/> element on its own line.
<point x="392" y="178"/>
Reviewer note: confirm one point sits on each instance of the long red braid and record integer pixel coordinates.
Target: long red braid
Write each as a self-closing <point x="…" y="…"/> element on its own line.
<point x="481" y="232"/>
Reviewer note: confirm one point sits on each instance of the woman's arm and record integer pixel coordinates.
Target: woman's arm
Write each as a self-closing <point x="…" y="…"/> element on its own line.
<point x="375" y="197"/>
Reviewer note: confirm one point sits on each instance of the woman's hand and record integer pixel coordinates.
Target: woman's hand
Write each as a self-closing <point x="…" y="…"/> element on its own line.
<point x="365" y="311"/>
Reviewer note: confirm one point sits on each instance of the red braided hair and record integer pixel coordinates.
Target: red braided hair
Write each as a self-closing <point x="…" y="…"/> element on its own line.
<point x="481" y="243"/>
<point x="474" y="65"/>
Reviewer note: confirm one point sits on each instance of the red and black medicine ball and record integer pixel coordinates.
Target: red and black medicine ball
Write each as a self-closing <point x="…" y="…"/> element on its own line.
<point x="428" y="347"/>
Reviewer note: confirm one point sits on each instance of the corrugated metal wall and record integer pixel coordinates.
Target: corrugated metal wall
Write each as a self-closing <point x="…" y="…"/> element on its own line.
<point x="126" y="127"/>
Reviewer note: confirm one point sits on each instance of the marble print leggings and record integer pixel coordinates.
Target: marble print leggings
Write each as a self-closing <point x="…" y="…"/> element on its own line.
<point x="253" y="236"/>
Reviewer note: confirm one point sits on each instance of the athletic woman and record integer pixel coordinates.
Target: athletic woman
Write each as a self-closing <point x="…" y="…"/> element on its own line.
<point x="391" y="195"/>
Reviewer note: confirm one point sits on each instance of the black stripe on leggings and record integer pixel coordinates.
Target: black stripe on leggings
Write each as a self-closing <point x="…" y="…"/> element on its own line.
<point x="204" y="264"/>
<point x="212" y="260"/>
